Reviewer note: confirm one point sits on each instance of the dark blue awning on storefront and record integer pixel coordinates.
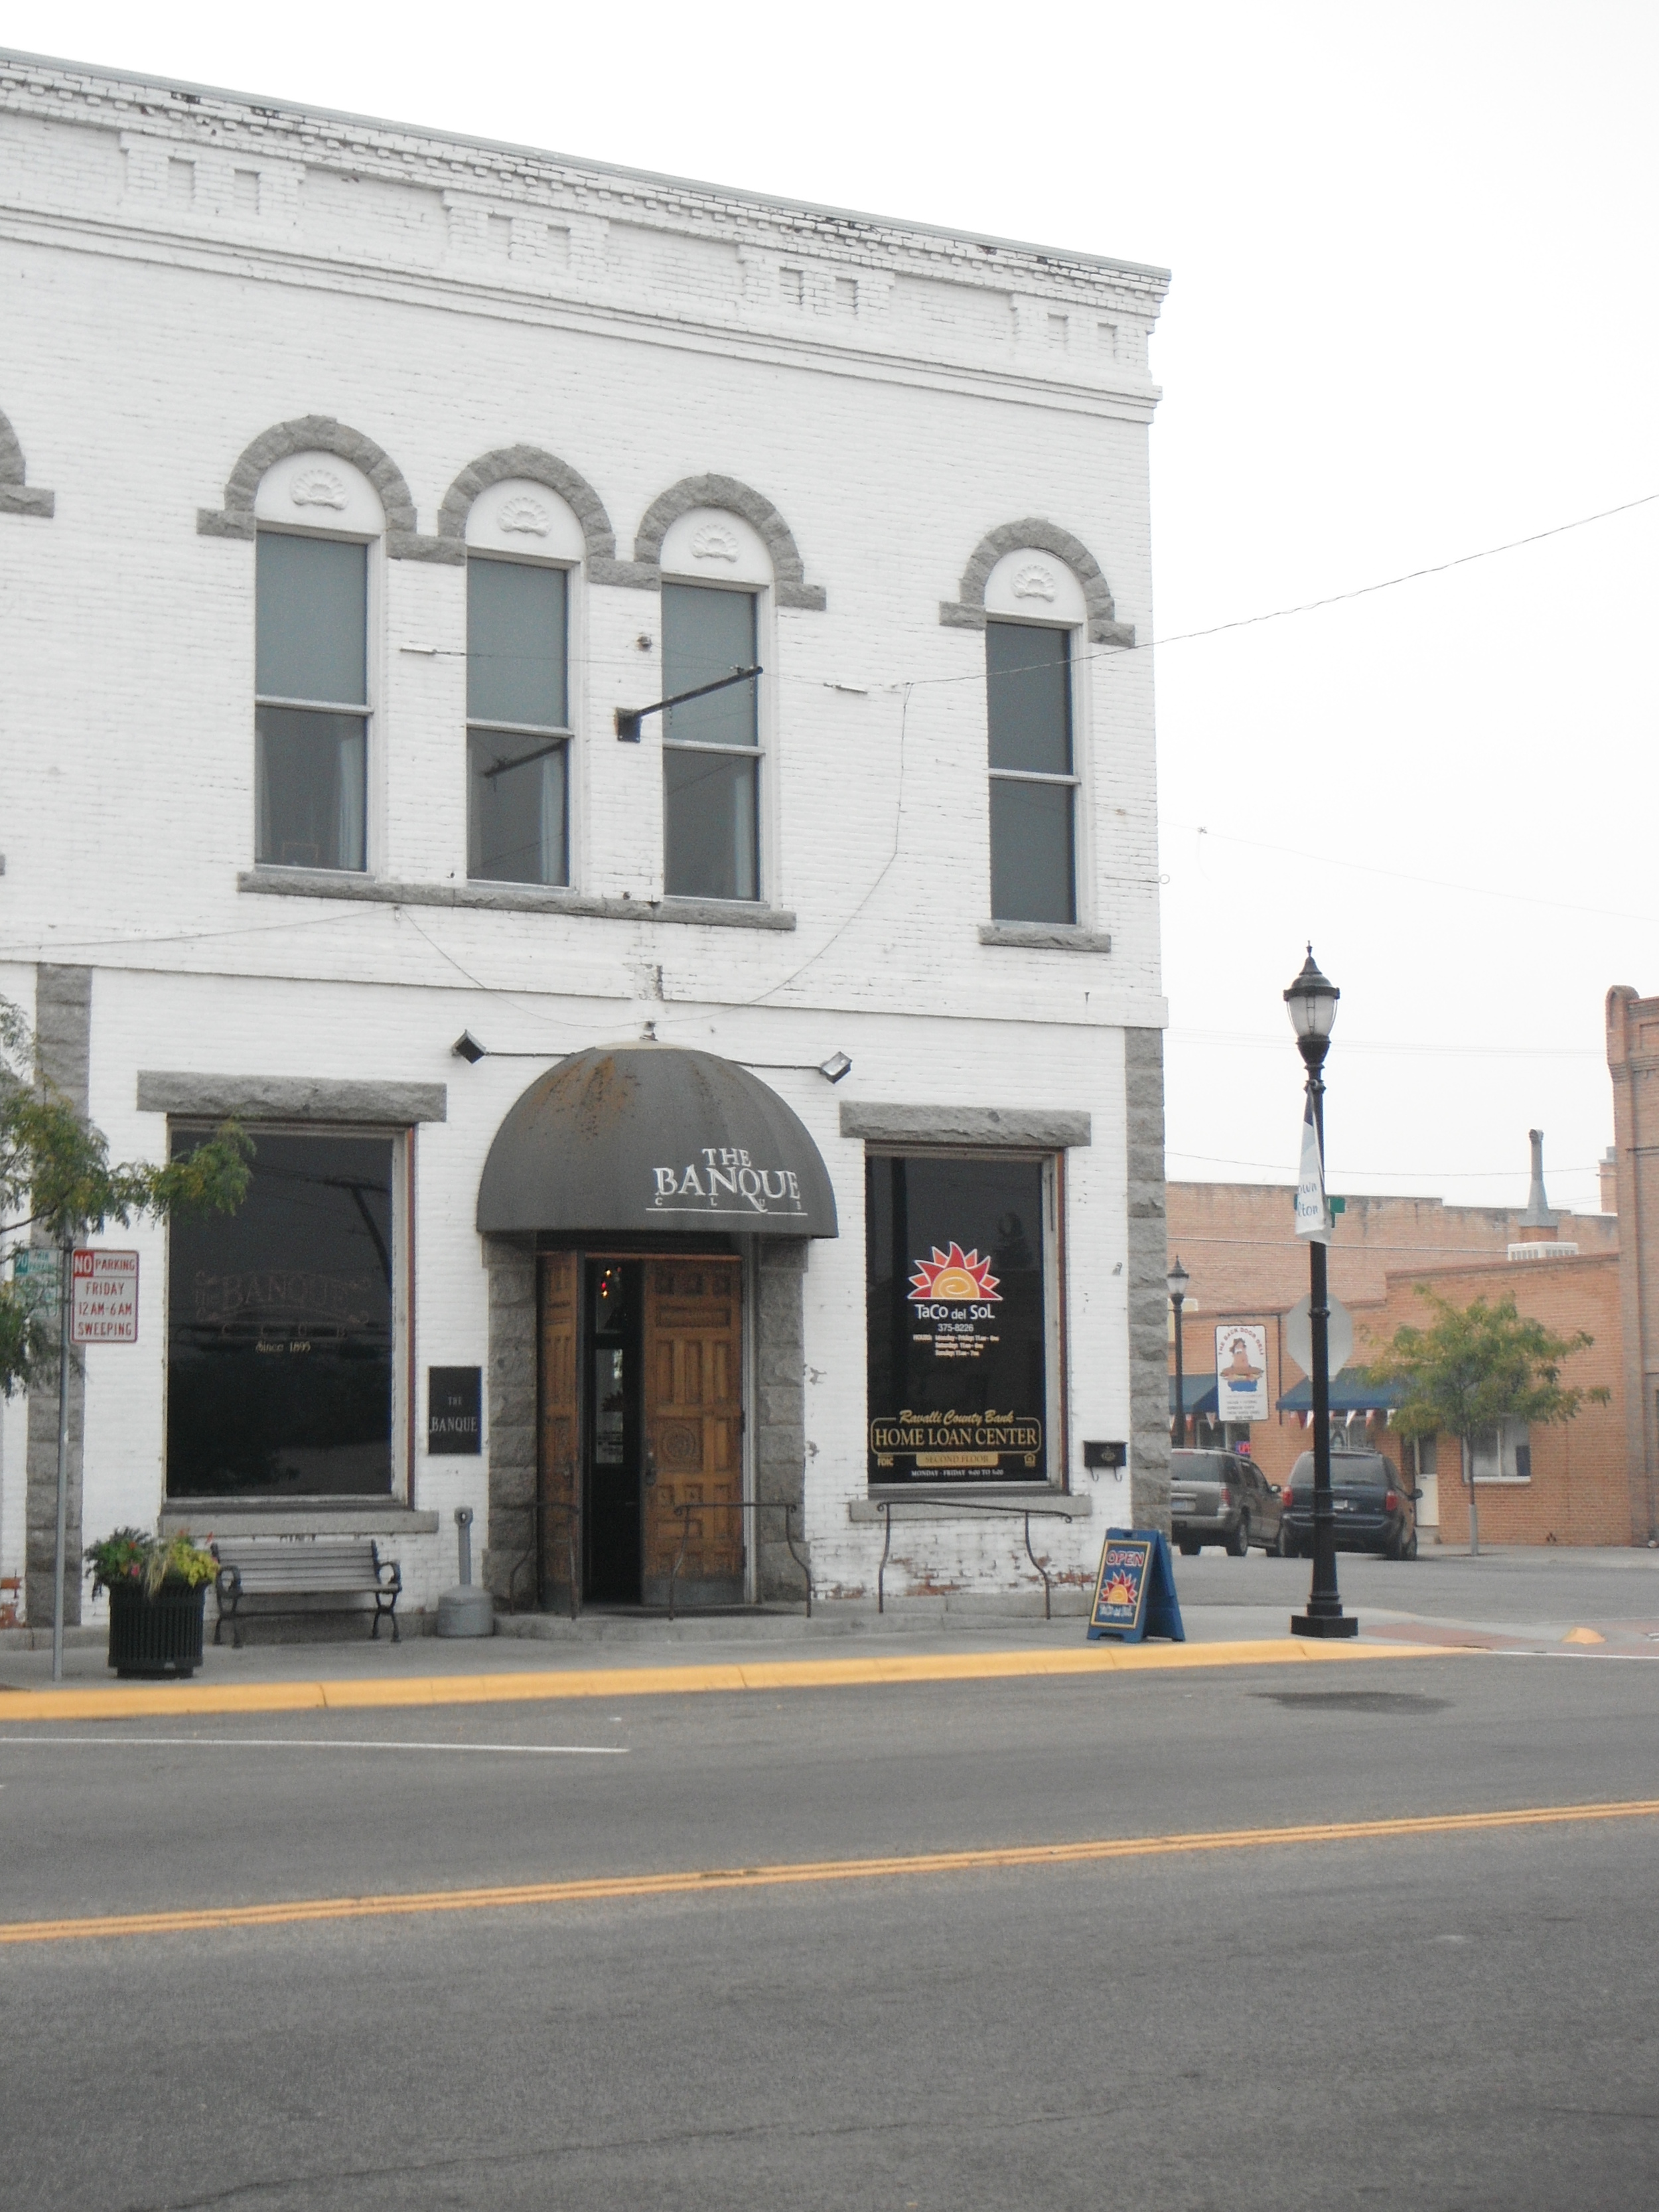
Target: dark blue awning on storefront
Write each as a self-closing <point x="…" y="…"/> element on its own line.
<point x="1197" y="1390"/>
<point x="1350" y="1393"/>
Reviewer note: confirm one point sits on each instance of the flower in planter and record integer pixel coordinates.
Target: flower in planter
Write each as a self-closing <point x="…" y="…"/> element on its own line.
<point x="132" y="1555"/>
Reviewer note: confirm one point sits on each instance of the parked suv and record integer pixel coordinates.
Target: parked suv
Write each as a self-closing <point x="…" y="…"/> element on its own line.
<point x="1373" y="1506"/>
<point x="1222" y="1498"/>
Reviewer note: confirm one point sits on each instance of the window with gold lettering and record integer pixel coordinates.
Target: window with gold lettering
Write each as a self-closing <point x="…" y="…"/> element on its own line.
<point x="958" y="1314"/>
<point x="280" y="1327"/>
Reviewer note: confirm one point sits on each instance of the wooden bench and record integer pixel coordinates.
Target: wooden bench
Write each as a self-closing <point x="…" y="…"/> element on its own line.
<point x="314" y="1568"/>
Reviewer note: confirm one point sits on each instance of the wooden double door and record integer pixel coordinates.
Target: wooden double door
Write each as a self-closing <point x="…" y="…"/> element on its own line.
<point x="641" y="1428"/>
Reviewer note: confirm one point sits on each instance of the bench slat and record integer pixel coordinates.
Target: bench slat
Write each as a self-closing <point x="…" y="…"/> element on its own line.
<point x="320" y="1568"/>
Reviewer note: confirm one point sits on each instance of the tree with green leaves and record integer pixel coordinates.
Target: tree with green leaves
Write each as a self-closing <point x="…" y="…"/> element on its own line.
<point x="57" y="1183"/>
<point x="1476" y="1367"/>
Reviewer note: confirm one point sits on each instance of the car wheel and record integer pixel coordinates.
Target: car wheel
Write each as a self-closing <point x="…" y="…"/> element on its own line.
<point x="1238" y="1544"/>
<point x="1408" y="1549"/>
<point x="1188" y="1549"/>
<point x="1281" y="1545"/>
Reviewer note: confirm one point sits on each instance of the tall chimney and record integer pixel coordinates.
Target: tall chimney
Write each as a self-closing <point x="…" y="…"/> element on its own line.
<point x="1537" y="1224"/>
<point x="1609" y="1166"/>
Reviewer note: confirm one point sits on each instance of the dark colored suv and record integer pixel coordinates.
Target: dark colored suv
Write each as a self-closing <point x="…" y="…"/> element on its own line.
<point x="1372" y="1504"/>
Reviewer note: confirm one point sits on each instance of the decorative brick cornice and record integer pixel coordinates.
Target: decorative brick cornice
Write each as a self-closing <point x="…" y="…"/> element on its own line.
<point x="321" y="433"/>
<point x="17" y="497"/>
<point x="967" y="610"/>
<point x="645" y="571"/>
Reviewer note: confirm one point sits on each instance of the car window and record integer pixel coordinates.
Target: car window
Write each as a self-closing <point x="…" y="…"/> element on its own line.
<point x="1361" y="1470"/>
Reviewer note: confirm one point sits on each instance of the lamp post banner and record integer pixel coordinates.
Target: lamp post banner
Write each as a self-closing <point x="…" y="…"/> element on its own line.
<point x="1313" y="1216"/>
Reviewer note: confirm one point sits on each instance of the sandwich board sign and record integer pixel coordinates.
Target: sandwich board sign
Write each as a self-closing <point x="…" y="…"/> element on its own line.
<point x="1134" y="1590"/>
<point x="103" y="1297"/>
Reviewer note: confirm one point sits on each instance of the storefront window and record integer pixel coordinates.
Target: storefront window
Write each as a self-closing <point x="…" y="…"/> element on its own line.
<point x="280" y="1327"/>
<point x="957" y="1306"/>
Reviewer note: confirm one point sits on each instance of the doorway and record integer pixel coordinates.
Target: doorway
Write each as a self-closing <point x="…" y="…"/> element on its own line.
<point x="641" y="1428"/>
<point x="610" y="1459"/>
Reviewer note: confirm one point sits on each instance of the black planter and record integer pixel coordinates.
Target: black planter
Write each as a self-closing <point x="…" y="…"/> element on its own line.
<point x="155" y="1635"/>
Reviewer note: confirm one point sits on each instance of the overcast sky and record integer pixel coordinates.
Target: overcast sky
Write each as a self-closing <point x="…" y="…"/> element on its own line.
<point x="1413" y="315"/>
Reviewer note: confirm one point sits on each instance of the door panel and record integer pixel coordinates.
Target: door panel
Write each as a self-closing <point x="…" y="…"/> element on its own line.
<point x="561" y="1428"/>
<point x="693" y="1427"/>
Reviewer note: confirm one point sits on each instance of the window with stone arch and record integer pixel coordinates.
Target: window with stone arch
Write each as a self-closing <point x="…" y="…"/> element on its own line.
<point x="524" y="549"/>
<point x="1036" y="618"/>
<point x="318" y="522"/>
<point x="717" y="579"/>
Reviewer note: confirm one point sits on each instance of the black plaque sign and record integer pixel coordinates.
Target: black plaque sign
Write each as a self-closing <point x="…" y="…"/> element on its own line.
<point x="957" y="1349"/>
<point x="454" y="1410"/>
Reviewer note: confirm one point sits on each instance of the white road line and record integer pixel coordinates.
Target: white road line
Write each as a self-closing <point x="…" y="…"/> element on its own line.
<point x="318" y="1743"/>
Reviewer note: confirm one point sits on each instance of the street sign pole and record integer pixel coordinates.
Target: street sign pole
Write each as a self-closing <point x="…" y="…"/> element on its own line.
<point x="65" y="1273"/>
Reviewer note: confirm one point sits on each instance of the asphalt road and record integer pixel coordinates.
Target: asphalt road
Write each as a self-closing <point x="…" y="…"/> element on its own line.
<point x="1448" y="2019"/>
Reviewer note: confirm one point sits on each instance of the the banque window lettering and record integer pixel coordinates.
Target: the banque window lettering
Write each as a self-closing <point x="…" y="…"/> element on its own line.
<point x="957" y="1301"/>
<point x="280" y="1327"/>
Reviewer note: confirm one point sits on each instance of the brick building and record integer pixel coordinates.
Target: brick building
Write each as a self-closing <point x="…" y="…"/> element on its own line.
<point x="1568" y="1485"/>
<point x="764" y="1111"/>
<point x="1633" y="1064"/>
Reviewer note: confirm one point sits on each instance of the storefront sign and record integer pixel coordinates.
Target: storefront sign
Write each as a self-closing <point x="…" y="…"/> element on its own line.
<point x="454" y="1410"/>
<point x="1134" y="1590"/>
<point x="723" y="1179"/>
<point x="103" y="1297"/>
<point x="1240" y="1371"/>
<point x="958" y="1356"/>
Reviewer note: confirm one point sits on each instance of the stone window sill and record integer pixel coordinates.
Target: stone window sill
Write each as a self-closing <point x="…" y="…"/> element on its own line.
<point x="947" y="1505"/>
<point x="1045" y="936"/>
<point x="511" y="898"/>
<point x="296" y="1517"/>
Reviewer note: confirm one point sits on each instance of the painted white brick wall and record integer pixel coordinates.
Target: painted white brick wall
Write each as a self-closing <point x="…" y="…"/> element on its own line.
<point x="643" y="332"/>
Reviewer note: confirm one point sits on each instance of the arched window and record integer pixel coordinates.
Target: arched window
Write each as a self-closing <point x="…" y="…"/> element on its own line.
<point x="1035" y="612"/>
<point x="717" y="576"/>
<point x="523" y="544"/>
<point x="318" y="518"/>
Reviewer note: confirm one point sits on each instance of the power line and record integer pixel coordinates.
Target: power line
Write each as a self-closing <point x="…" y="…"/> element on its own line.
<point x="1430" y="883"/>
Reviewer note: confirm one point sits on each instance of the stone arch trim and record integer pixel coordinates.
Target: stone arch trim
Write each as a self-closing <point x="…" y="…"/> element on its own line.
<point x="321" y="433"/>
<point x="17" y="497"/>
<point x="537" y="467"/>
<point x="646" y="567"/>
<point x="967" y="610"/>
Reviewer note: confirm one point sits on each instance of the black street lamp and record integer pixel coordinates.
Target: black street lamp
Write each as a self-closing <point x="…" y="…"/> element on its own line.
<point x="1312" y="1001"/>
<point x="1177" y="1279"/>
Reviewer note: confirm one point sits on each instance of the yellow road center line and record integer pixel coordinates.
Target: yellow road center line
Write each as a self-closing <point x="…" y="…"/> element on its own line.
<point x="605" y="1888"/>
<point x="545" y="1684"/>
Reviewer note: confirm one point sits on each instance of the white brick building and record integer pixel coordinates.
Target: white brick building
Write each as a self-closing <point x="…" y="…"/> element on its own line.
<point x="282" y="395"/>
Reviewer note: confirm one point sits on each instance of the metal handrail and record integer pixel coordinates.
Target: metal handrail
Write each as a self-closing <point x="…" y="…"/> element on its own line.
<point x="1028" y="1513"/>
<point x="738" y="1505"/>
<point x="532" y="1554"/>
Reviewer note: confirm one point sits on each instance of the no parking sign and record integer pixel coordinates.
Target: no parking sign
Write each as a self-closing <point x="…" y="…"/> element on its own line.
<point x="103" y="1297"/>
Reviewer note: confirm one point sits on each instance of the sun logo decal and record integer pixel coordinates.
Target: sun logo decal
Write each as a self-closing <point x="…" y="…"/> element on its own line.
<point x="955" y="1274"/>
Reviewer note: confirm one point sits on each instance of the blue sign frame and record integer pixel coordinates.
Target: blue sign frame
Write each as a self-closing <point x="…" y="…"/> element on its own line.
<point x="1134" y="1590"/>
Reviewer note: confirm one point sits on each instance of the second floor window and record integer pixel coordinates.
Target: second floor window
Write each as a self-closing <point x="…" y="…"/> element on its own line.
<point x="711" y="747"/>
<point x="311" y="712"/>
<point x="517" y="722"/>
<point x="1033" y="785"/>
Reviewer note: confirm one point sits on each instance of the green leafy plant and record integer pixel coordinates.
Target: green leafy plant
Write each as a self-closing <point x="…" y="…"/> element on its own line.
<point x="1476" y="1367"/>
<point x="131" y="1555"/>
<point x="57" y="1180"/>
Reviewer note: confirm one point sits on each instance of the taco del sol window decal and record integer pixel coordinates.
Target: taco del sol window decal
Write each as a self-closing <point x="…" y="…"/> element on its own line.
<point x="956" y="1314"/>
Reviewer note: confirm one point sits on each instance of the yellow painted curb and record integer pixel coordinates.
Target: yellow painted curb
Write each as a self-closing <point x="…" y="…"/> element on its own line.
<point x="1583" y="1635"/>
<point x="700" y="1882"/>
<point x="546" y="1685"/>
